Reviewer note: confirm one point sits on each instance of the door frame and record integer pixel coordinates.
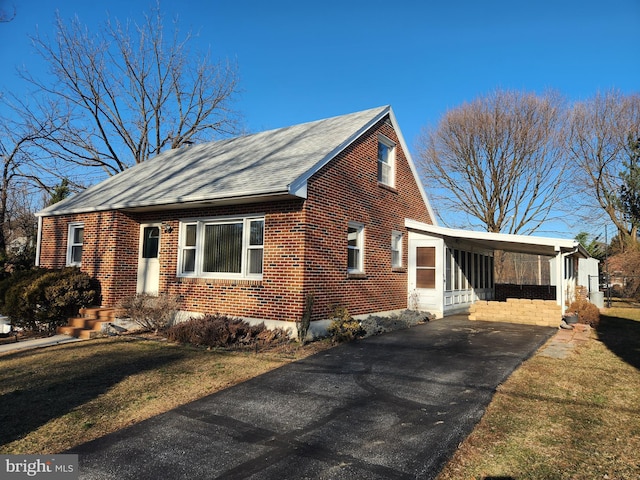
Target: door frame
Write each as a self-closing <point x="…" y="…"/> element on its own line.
<point x="148" y="268"/>
<point x="431" y="300"/>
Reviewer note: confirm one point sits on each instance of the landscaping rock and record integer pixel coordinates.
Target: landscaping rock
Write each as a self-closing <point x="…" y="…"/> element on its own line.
<point x="375" y="325"/>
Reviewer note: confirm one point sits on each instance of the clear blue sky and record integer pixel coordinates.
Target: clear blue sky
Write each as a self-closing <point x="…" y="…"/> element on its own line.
<point x="301" y="61"/>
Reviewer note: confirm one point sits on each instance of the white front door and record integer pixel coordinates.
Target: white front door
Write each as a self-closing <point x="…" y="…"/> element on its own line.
<point x="425" y="275"/>
<point x="148" y="259"/>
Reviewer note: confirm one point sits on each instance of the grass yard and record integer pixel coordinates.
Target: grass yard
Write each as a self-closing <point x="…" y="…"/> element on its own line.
<point x="58" y="397"/>
<point x="577" y="418"/>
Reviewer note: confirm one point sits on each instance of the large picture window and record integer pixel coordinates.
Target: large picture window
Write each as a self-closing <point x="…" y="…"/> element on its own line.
<point x="221" y="248"/>
<point x="75" y="242"/>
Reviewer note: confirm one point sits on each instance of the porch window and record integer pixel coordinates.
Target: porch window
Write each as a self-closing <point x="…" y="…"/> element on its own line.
<point x="75" y="242"/>
<point x="222" y="248"/>
<point x="448" y="278"/>
<point x="396" y="249"/>
<point x="386" y="161"/>
<point x="355" y="248"/>
<point x="426" y="267"/>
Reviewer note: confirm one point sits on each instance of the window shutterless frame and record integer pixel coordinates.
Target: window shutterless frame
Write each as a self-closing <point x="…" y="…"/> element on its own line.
<point x="396" y="249"/>
<point x="355" y="248"/>
<point x="386" y="161"/>
<point x="226" y="247"/>
<point x="75" y="243"/>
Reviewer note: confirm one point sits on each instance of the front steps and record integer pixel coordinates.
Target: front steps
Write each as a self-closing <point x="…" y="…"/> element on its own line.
<point x="89" y="324"/>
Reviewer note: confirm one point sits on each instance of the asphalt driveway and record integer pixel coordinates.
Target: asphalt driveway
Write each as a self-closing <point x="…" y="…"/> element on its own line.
<point x="387" y="407"/>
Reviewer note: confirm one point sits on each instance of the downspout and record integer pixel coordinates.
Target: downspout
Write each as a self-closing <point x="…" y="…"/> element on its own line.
<point x="38" y="240"/>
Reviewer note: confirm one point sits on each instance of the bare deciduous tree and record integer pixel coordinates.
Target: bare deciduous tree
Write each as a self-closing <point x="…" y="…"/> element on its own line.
<point x="599" y="145"/>
<point x="21" y="129"/>
<point x="132" y="92"/>
<point x="497" y="160"/>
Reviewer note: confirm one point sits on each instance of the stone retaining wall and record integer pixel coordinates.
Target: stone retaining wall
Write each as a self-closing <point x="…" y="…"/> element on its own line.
<point x="517" y="310"/>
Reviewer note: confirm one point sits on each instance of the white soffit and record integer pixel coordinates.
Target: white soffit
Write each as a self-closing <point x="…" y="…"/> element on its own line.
<point x="502" y="241"/>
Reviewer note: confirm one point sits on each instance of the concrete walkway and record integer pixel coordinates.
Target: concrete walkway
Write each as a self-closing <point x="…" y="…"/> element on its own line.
<point x="394" y="406"/>
<point x="36" y="343"/>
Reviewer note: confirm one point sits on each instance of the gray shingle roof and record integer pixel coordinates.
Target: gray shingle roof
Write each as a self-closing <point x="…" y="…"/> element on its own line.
<point x="275" y="162"/>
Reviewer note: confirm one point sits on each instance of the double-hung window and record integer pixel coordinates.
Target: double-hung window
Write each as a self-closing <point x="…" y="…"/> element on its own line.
<point x="221" y="248"/>
<point x="386" y="161"/>
<point x="396" y="249"/>
<point x="355" y="248"/>
<point x="75" y="241"/>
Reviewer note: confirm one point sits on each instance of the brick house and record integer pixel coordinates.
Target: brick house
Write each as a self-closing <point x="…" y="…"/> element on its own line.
<point x="250" y="226"/>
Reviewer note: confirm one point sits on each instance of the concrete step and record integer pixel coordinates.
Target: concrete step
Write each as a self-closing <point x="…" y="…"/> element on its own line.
<point x="69" y="330"/>
<point x="106" y="314"/>
<point x="89" y="324"/>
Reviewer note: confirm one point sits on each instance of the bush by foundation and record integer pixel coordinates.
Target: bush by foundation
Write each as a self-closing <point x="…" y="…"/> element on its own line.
<point x="227" y="332"/>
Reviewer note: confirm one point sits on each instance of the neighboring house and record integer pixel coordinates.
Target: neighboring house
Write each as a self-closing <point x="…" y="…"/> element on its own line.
<point x="251" y="226"/>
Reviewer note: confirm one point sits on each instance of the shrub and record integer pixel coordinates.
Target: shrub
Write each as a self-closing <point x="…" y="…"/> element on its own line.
<point x="343" y="327"/>
<point x="587" y="312"/>
<point x="42" y="300"/>
<point x="151" y="312"/>
<point x="12" y="280"/>
<point x="223" y="331"/>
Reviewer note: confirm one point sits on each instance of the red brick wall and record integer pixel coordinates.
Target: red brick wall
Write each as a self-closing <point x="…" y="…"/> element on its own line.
<point x="110" y="250"/>
<point x="349" y="191"/>
<point x="345" y="190"/>
<point x="278" y="296"/>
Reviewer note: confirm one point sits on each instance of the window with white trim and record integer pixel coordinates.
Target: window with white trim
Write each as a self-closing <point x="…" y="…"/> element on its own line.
<point x="386" y="161"/>
<point x="355" y="248"/>
<point x="221" y="248"/>
<point x="75" y="242"/>
<point x="396" y="249"/>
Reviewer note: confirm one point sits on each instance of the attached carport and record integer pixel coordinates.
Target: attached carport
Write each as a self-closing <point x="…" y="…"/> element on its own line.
<point x="451" y="269"/>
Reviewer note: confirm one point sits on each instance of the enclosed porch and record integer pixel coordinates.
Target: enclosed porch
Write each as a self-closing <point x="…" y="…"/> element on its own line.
<point x="450" y="270"/>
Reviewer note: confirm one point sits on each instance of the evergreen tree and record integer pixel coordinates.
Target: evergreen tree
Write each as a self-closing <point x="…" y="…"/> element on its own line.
<point x="60" y="192"/>
<point x="629" y="193"/>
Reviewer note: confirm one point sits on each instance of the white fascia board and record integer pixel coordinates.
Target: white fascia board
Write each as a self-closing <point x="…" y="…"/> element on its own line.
<point x="173" y="204"/>
<point x="299" y="186"/>
<point x="558" y="244"/>
<point x="412" y="166"/>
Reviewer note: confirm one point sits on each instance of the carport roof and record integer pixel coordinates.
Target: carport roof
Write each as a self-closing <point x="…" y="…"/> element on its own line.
<point x="503" y="241"/>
